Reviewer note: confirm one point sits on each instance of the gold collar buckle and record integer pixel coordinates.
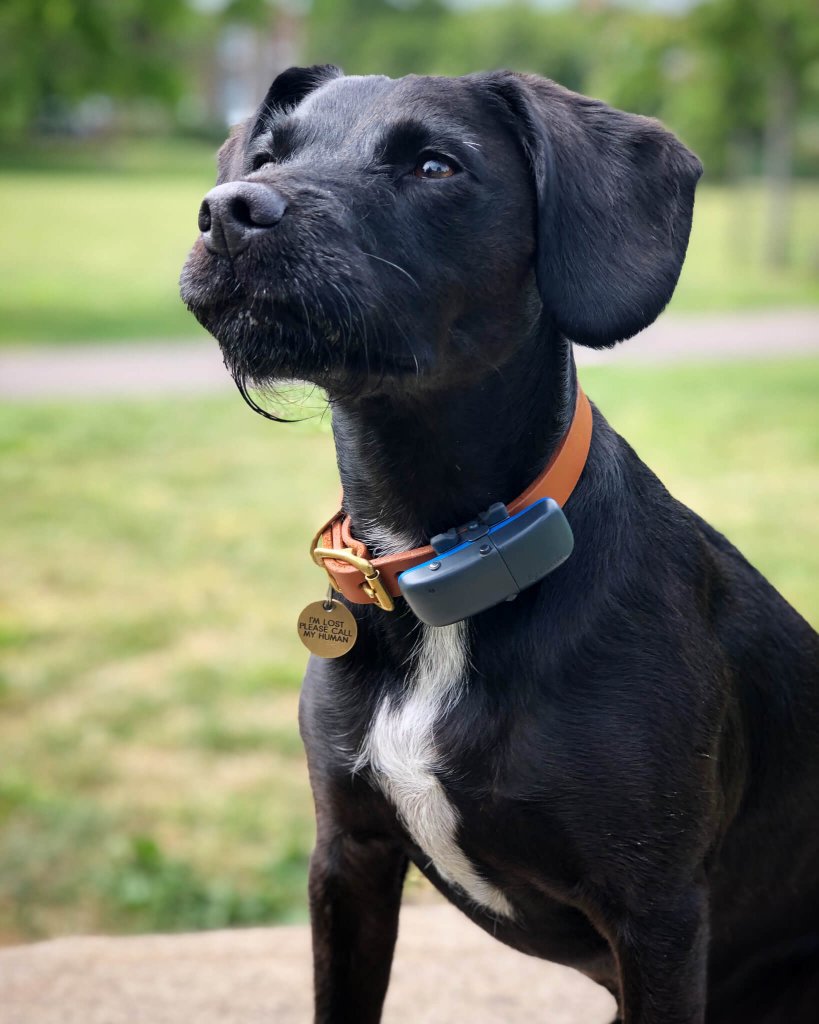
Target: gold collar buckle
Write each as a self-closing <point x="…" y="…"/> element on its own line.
<point x="373" y="586"/>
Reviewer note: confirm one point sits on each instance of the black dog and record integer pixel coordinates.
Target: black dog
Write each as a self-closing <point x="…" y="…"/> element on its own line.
<point x="619" y="770"/>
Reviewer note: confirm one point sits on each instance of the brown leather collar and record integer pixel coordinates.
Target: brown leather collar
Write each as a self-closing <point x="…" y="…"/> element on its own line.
<point x="365" y="580"/>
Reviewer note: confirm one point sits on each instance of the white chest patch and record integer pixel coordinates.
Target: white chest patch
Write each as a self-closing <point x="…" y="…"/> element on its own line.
<point x="400" y="751"/>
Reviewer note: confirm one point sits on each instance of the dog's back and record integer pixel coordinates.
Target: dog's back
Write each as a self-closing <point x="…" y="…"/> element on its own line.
<point x="765" y="868"/>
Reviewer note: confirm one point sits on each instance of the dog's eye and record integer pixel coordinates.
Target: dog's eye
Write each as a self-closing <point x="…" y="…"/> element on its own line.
<point x="432" y="165"/>
<point x="259" y="161"/>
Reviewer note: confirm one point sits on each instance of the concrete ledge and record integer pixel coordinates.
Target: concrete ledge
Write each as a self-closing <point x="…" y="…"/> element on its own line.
<point x="445" y="970"/>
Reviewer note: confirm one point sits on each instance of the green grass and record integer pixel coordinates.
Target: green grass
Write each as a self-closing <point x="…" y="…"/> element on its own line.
<point x="724" y="267"/>
<point x="95" y="254"/>
<point x="95" y="238"/>
<point x="154" y="559"/>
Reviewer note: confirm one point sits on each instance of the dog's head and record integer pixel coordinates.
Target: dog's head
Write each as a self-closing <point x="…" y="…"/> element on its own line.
<point x="369" y="229"/>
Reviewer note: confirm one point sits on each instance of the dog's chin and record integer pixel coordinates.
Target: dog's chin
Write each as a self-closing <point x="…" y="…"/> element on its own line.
<point x="264" y="344"/>
<point x="268" y="343"/>
<point x="301" y="327"/>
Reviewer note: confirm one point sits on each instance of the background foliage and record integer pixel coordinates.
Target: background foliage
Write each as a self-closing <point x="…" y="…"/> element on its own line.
<point x="151" y="774"/>
<point x="720" y="72"/>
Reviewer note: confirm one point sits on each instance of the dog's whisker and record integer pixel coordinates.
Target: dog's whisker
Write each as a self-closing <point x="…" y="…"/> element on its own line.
<point x="390" y="263"/>
<point x="346" y="301"/>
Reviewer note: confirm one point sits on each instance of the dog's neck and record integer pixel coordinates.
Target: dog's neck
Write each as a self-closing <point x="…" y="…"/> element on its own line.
<point x="415" y="463"/>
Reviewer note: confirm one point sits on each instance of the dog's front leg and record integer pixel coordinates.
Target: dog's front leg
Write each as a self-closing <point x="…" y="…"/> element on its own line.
<point x="662" y="957"/>
<point x="355" y="895"/>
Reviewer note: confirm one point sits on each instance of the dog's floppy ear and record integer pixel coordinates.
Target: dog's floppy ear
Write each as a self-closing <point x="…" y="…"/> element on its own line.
<point x="290" y="87"/>
<point x="615" y="195"/>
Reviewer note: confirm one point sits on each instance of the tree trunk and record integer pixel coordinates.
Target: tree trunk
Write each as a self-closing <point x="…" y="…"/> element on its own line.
<point x="779" y="148"/>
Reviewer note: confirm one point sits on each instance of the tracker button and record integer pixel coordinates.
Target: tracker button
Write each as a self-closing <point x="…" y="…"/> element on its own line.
<point x="445" y="541"/>
<point x="496" y="513"/>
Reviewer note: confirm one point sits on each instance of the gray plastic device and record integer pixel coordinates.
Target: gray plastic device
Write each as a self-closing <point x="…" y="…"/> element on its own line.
<point x="489" y="560"/>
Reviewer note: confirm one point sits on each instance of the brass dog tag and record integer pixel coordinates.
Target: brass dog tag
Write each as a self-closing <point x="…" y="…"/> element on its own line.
<point x="327" y="628"/>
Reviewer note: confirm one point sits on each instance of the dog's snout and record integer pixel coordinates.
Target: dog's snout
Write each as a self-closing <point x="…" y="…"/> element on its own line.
<point x="232" y="214"/>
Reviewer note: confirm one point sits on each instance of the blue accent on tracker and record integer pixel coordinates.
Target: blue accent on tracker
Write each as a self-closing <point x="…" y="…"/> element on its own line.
<point x="488" y="560"/>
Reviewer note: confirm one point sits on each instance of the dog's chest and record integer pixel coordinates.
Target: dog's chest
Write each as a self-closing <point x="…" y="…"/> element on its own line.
<point x="401" y="752"/>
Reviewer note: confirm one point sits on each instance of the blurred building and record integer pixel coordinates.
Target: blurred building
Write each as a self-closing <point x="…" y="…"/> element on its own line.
<point x="244" y="61"/>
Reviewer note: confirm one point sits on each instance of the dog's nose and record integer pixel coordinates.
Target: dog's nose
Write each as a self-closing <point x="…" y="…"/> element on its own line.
<point x="232" y="215"/>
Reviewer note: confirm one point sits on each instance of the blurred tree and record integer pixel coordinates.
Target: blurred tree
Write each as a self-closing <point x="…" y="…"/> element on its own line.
<point x="630" y="71"/>
<point x="374" y="36"/>
<point x="763" y="56"/>
<point x="56" y="52"/>
<point x="430" y="37"/>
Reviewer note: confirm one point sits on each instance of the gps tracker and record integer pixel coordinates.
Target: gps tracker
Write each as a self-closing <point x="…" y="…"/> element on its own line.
<point x="489" y="560"/>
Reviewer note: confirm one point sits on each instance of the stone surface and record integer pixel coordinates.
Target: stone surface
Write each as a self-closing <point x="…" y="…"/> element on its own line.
<point x="446" y="970"/>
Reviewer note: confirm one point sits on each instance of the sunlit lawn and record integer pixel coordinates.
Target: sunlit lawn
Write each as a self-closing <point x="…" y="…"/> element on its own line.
<point x="94" y="241"/>
<point x="154" y="558"/>
<point x="94" y="254"/>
